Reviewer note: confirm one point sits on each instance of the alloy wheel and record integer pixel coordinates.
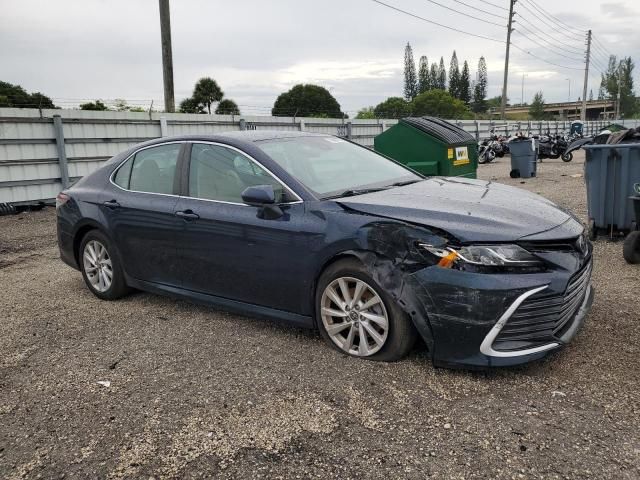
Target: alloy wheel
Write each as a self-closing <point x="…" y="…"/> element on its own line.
<point x="97" y="266"/>
<point x="354" y="316"/>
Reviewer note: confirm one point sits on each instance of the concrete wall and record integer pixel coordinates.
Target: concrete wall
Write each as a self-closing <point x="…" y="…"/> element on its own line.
<point x="36" y="157"/>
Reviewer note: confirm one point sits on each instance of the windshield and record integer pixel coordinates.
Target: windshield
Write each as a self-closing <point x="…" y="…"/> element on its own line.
<point x="330" y="166"/>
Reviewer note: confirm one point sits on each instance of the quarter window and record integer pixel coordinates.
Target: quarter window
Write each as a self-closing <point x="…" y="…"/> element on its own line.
<point x="151" y="170"/>
<point x="220" y="173"/>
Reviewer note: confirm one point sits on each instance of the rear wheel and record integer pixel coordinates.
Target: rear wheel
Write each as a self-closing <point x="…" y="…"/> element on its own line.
<point x="357" y="317"/>
<point x="100" y="267"/>
<point x="567" y="157"/>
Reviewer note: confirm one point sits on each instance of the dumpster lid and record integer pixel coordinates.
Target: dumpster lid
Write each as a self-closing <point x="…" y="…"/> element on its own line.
<point x="440" y="129"/>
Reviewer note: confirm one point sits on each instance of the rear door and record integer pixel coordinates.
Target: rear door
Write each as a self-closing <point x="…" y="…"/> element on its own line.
<point x="140" y="212"/>
<point x="226" y="249"/>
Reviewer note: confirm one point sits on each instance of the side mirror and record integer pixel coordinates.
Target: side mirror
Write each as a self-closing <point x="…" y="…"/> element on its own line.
<point x="259" y="195"/>
<point x="263" y="197"/>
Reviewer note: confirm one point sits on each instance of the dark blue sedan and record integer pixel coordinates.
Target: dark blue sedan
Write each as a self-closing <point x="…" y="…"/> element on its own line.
<point x="323" y="233"/>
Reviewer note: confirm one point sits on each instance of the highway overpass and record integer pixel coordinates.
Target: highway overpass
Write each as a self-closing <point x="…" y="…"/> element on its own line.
<point x="596" y="110"/>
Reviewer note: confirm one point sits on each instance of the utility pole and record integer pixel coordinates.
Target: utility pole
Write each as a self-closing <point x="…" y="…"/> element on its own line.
<point x="167" y="57"/>
<point x="583" y="113"/>
<point x="522" y="94"/>
<point x="503" y="105"/>
<point x="619" y="91"/>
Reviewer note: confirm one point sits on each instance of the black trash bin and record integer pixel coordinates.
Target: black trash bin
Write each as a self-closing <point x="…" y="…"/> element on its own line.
<point x="524" y="157"/>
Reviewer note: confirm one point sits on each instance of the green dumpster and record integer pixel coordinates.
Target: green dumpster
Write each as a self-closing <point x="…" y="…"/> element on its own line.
<point x="430" y="146"/>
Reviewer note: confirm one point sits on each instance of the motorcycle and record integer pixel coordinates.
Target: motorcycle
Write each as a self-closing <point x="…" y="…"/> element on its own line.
<point x="486" y="154"/>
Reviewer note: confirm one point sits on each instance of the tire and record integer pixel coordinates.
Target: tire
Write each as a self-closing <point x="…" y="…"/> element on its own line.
<point x="515" y="173"/>
<point x="97" y="282"/>
<point x="482" y="158"/>
<point x="631" y="248"/>
<point x="399" y="336"/>
<point x="567" y="157"/>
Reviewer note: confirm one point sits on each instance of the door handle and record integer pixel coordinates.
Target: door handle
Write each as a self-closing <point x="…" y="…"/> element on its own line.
<point x="187" y="215"/>
<point x="112" y="204"/>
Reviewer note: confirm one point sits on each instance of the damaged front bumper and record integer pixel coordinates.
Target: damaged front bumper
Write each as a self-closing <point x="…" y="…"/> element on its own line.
<point x="480" y="320"/>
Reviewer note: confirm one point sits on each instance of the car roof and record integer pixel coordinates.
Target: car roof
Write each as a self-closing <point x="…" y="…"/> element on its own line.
<point x="245" y="135"/>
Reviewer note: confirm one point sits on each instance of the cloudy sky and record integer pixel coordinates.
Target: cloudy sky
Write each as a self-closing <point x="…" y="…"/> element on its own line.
<point x="86" y="49"/>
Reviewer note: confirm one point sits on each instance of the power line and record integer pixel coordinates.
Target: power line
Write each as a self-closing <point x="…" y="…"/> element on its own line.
<point x="566" y="48"/>
<point x="436" y="23"/>
<point x="472" y="34"/>
<point x="479" y="9"/>
<point x="570" y="36"/>
<point x="543" y="60"/>
<point x="466" y="14"/>
<point x="493" y="5"/>
<point x="550" y="45"/>
<point x="556" y="19"/>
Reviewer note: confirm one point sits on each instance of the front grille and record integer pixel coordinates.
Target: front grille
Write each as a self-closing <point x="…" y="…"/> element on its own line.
<point x="543" y="318"/>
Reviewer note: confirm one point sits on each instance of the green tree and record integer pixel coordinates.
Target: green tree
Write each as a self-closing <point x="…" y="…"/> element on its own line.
<point x="307" y="101"/>
<point x="424" y="81"/>
<point x="96" y="106"/>
<point x="496" y="102"/>
<point x="439" y="103"/>
<point x="536" y="110"/>
<point x="628" y="100"/>
<point x="16" y="96"/>
<point x="189" y="105"/>
<point x="227" y="107"/>
<point x="618" y="81"/>
<point x="393" y="107"/>
<point x="433" y="76"/>
<point x="410" y="76"/>
<point x="464" y="86"/>
<point x="366" y="113"/>
<point x="442" y="75"/>
<point x="454" y="76"/>
<point x="480" y="88"/>
<point x="206" y="92"/>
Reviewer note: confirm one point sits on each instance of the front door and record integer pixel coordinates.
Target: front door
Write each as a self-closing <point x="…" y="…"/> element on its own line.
<point x="226" y="249"/>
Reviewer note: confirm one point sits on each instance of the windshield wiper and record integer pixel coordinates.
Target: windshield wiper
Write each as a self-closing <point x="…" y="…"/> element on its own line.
<point x="407" y="182"/>
<point x="356" y="191"/>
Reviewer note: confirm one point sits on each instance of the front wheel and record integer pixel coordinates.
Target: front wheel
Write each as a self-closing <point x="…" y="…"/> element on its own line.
<point x="567" y="157"/>
<point x="358" y="318"/>
<point x="631" y="247"/>
<point x="100" y="267"/>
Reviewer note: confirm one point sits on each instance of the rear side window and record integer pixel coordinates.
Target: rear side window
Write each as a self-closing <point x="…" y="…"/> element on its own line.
<point x="123" y="174"/>
<point x="151" y="170"/>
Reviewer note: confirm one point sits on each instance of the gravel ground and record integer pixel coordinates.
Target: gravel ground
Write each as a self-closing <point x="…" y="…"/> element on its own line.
<point x="199" y="393"/>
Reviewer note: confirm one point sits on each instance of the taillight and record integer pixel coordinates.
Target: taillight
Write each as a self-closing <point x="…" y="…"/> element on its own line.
<point x="61" y="199"/>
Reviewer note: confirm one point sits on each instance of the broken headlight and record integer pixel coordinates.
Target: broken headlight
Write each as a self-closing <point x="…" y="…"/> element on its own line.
<point x="485" y="257"/>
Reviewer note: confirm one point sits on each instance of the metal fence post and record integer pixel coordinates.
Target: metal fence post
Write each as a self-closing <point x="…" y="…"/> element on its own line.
<point x="164" y="131"/>
<point x="477" y="130"/>
<point x="243" y="124"/>
<point x="302" y="125"/>
<point x="62" y="154"/>
<point x="349" y="130"/>
<point x="383" y="126"/>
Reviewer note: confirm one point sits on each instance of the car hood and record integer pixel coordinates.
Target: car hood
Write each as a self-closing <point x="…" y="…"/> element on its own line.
<point x="471" y="210"/>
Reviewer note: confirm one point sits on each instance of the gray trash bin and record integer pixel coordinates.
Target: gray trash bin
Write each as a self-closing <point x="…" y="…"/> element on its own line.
<point x="610" y="172"/>
<point x="524" y="157"/>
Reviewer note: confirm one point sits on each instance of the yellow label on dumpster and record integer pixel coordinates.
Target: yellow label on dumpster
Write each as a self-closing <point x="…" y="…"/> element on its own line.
<point x="462" y="156"/>
<point x="450" y="154"/>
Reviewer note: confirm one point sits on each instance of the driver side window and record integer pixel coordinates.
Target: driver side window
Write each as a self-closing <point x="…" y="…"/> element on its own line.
<point x="221" y="173"/>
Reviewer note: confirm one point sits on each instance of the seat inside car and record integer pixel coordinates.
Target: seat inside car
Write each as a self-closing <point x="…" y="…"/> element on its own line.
<point x="214" y="177"/>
